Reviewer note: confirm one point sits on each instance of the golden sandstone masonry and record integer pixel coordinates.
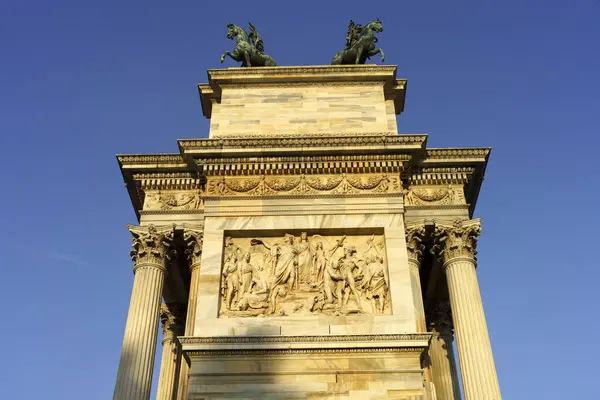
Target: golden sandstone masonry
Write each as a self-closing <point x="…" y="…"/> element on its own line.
<point x="306" y="249"/>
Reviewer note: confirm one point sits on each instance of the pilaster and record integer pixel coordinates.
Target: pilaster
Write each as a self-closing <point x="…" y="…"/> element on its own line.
<point x="415" y="233"/>
<point x="172" y="316"/>
<point x="194" y="239"/>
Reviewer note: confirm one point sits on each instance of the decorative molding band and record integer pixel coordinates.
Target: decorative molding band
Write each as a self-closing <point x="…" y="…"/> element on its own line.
<point x="303" y="165"/>
<point x="171" y="212"/>
<point x="277" y="352"/>
<point x="326" y="140"/>
<point x="191" y="340"/>
<point x="257" y="85"/>
<point x="436" y="207"/>
<point x="459" y="154"/>
<point x="262" y="185"/>
<point x="440" y="176"/>
<point x="133" y="159"/>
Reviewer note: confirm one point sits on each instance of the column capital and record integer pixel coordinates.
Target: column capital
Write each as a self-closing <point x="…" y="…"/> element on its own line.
<point x="150" y="245"/>
<point x="172" y="318"/>
<point x="456" y="240"/>
<point x="194" y="238"/>
<point x="415" y="234"/>
<point x="440" y="319"/>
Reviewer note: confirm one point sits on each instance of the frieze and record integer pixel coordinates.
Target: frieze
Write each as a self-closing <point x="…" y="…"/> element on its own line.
<point x="305" y="275"/>
<point x="172" y="200"/>
<point x="262" y="185"/>
<point x="434" y="195"/>
<point x="245" y="86"/>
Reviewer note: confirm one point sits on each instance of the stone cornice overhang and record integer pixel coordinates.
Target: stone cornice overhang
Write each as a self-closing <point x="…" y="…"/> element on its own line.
<point x="133" y="164"/>
<point x="329" y="75"/>
<point x="307" y="344"/>
<point x="417" y="161"/>
<point x="475" y="158"/>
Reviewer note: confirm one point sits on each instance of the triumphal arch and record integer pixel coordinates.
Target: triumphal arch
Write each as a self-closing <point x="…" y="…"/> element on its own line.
<point x="306" y="249"/>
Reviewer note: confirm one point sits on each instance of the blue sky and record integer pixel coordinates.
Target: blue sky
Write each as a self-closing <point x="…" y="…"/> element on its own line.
<point x="81" y="82"/>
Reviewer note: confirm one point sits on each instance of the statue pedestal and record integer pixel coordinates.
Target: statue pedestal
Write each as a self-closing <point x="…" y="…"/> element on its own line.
<point x="308" y="101"/>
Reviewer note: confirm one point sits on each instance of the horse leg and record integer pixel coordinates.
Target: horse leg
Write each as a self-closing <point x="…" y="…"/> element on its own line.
<point x="358" y="55"/>
<point x="374" y="52"/>
<point x="247" y="59"/>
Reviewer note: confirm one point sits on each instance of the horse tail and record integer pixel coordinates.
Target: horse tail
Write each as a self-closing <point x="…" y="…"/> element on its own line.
<point x="269" y="62"/>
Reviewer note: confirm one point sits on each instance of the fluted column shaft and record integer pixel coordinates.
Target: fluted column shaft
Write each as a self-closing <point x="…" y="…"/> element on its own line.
<point x="194" y="240"/>
<point x="134" y="377"/>
<point x="472" y="338"/>
<point x="480" y="381"/>
<point x="173" y="318"/>
<point x="443" y="366"/>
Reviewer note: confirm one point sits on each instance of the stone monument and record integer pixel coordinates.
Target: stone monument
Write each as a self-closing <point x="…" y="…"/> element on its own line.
<point x="305" y="249"/>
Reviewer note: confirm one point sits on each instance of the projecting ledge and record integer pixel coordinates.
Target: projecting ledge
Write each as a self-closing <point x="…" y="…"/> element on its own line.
<point x="408" y="341"/>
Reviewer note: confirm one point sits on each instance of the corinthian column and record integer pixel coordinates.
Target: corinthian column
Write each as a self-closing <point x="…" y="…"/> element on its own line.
<point x="456" y="244"/>
<point x="193" y="238"/>
<point x="441" y="353"/>
<point x="414" y="247"/>
<point x="172" y="317"/>
<point x="134" y="378"/>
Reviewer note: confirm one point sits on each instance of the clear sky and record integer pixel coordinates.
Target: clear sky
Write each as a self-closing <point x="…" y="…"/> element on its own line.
<point x="80" y="82"/>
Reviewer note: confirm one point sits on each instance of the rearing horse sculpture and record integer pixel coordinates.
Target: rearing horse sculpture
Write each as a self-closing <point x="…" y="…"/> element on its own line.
<point x="249" y="49"/>
<point x="360" y="44"/>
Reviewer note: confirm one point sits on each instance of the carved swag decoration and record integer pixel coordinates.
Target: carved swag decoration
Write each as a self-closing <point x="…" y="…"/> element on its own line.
<point x="304" y="276"/>
<point x="304" y="184"/>
<point x="416" y="195"/>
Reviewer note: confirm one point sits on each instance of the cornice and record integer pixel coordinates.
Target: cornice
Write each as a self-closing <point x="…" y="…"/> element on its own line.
<point x="156" y="160"/>
<point x="478" y="154"/>
<point x="326" y="75"/>
<point x="307" y="144"/>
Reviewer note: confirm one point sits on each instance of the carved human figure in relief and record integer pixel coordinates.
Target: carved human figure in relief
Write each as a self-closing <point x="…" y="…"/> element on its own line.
<point x="284" y="273"/>
<point x="258" y="295"/>
<point x="319" y="261"/>
<point x="231" y="279"/>
<point x="376" y="283"/>
<point x="348" y="264"/>
<point x="304" y="259"/>
<point x="244" y="271"/>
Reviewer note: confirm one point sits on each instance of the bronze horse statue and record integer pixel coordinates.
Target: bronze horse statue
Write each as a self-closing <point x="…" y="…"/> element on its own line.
<point x="249" y="49"/>
<point x="360" y="44"/>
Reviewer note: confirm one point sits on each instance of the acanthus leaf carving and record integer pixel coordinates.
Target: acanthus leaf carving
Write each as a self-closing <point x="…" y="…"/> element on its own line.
<point x="456" y="240"/>
<point x="414" y="242"/>
<point x="151" y="245"/>
<point x="440" y="319"/>
<point x="194" y="240"/>
<point x="172" y="318"/>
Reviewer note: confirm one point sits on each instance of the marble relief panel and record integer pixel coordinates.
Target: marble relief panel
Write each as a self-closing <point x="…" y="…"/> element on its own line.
<point x="304" y="274"/>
